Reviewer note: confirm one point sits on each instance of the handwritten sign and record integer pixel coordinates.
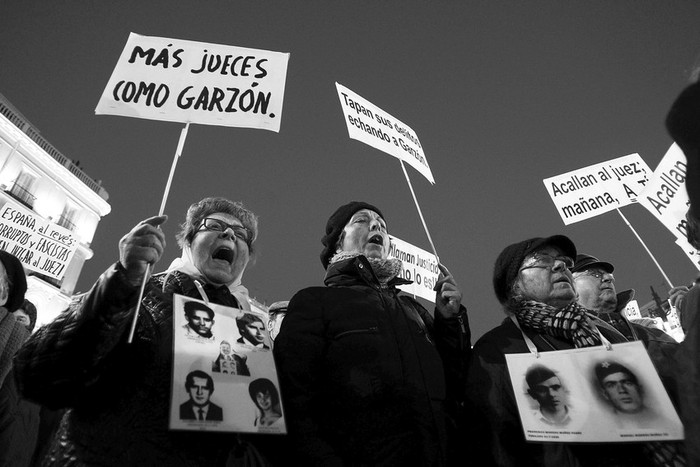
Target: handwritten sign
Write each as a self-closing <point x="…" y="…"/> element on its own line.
<point x="368" y="123"/>
<point x="418" y="266"/>
<point x="40" y="245"/>
<point x="597" y="189"/>
<point x="186" y="81"/>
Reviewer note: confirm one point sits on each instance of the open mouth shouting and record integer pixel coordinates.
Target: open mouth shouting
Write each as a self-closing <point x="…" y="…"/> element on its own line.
<point x="223" y="253"/>
<point x="376" y="239"/>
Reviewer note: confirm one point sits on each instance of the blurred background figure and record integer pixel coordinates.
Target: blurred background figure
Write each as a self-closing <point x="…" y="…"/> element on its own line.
<point x="275" y="317"/>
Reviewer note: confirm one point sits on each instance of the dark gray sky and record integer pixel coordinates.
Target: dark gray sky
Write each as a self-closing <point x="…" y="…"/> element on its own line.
<point x="501" y="94"/>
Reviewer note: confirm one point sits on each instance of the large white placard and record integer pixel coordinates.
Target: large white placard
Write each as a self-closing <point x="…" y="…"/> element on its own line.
<point x="368" y="123"/>
<point x="177" y="80"/>
<point x="597" y="189"/>
<point x="417" y="265"/>
<point x="221" y="380"/>
<point x="592" y="395"/>
<point x="666" y="198"/>
<point x="40" y="245"/>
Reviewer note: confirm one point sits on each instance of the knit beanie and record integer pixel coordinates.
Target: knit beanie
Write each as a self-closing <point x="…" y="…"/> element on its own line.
<point x="335" y="225"/>
<point x="15" y="273"/>
<point x="505" y="271"/>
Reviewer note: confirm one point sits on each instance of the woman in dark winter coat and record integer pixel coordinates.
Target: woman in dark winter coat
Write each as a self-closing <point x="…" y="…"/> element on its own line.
<point x="533" y="282"/>
<point x="119" y="393"/>
<point x="367" y="374"/>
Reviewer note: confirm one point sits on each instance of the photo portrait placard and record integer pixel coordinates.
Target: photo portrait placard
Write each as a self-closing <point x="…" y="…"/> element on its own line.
<point x="592" y="395"/>
<point x="224" y="375"/>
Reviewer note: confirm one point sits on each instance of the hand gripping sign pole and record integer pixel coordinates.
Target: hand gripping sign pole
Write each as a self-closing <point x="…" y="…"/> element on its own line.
<point x="166" y="79"/>
<point x="161" y="211"/>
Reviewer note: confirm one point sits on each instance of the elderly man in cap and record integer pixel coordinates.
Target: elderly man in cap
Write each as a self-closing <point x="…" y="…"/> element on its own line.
<point x="367" y="374"/>
<point x="533" y="282"/>
<point x="595" y="285"/>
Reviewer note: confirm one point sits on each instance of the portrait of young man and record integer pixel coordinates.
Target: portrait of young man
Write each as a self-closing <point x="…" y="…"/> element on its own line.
<point x="546" y="388"/>
<point x="200" y="387"/>
<point x="251" y="328"/>
<point x="200" y="319"/>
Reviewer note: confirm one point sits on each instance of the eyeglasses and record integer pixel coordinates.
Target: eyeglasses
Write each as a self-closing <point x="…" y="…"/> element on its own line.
<point x="598" y="274"/>
<point x="546" y="261"/>
<point x="216" y="225"/>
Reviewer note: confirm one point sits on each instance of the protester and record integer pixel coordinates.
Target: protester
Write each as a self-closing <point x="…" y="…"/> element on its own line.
<point x="534" y="284"/>
<point x="683" y="124"/>
<point x="119" y="393"/>
<point x="275" y="316"/>
<point x="595" y="284"/>
<point x="19" y="418"/>
<point x="367" y="375"/>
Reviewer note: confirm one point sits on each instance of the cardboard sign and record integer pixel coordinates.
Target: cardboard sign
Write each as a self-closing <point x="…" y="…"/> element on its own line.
<point x="186" y="81"/>
<point x="224" y="375"/>
<point x="40" y="245"/>
<point x="592" y="395"/>
<point x="597" y="189"/>
<point x="417" y="265"/>
<point x="368" y="123"/>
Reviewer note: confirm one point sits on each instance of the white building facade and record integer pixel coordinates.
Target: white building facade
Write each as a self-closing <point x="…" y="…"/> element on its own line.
<point x="49" y="211"/>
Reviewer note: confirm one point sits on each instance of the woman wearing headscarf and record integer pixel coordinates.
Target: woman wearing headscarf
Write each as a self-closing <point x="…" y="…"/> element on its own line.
<point x="534" y="284"/>
<point x="366" y="373"/>
<point x="119" y="393"/>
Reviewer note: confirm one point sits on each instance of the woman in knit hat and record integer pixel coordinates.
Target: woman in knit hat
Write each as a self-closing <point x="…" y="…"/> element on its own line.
<point x="118" y="393"/>
<point x="366" y="373"/>
<point x="533" y="282"/>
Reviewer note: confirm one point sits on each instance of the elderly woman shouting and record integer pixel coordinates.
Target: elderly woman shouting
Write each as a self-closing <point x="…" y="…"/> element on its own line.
<point x="534" y="284"/>
<point x="119" y="393"/>
<point x="366" y="373"/>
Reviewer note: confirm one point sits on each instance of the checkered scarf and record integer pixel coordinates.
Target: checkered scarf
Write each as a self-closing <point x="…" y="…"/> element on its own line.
<point x="569" y="323"/>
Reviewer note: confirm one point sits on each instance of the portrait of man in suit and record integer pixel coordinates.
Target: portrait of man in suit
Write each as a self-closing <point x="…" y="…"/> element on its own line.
<point x="200" y="387"/>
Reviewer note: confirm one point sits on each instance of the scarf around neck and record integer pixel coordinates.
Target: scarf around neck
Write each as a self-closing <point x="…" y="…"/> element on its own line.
<point x="185" y="265"/>
<point x="384" y="269"/>
<point x="569" y="323"/>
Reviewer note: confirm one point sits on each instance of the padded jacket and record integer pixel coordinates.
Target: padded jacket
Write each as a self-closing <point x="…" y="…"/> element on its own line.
<point x="368" y="377"/>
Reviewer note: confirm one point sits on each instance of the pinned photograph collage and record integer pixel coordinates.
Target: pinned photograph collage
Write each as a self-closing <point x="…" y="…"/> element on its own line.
<point x="224" y="376"/>
<point x="592" y="395"/>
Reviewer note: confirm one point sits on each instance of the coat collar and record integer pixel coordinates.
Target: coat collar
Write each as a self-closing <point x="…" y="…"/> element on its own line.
<point x="356" y="269"/>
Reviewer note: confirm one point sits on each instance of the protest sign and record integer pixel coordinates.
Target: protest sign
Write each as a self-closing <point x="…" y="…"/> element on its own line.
<point x="417" y="265"/>
<point x="368" y="123"/>
<point x="665" y="196"/>
<point x="40" y="245"/>
<point x="196" y="82"/>
<point x="631" y="310"/>
<point x="220" y="367"/>
<point x="597" y="189"/>
<point x="572" y="396"/>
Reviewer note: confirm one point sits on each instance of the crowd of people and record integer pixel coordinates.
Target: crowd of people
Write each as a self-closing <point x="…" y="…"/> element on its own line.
<point x="367" y="375"/>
